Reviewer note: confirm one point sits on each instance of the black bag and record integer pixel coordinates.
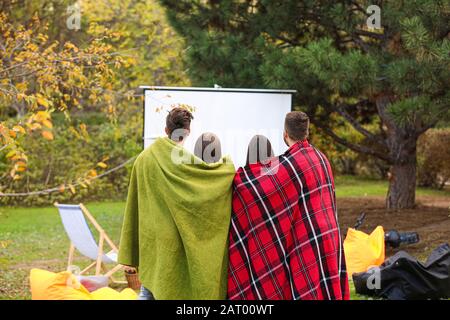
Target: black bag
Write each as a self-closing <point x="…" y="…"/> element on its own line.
<point x="402" y="277"/>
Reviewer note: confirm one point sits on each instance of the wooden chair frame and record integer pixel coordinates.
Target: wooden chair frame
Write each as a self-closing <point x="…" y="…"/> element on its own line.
<point x="98" y="264"/>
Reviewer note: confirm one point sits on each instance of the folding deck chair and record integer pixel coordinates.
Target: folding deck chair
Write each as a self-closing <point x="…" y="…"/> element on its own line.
<point x="81" y="238"/>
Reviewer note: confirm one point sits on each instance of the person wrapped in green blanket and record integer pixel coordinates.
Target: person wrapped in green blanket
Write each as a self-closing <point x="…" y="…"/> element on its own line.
<point x="177" y="216"/>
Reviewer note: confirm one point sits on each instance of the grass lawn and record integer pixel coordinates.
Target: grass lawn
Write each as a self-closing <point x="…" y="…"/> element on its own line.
<point x="35" y="238"/>
<point x="352" y="186"/>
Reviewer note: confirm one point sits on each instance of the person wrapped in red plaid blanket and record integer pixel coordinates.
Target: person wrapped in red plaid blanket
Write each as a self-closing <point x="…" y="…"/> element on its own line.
<point x="285" y="241"/>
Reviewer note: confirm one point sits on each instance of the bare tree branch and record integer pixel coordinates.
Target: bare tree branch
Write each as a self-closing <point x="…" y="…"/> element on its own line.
<point x="369" y="34"/>
<point x="358" y="127"/>
<point x="57" y="189"/>
<point x="4" y="147"/>
<point x="353" y="146"/>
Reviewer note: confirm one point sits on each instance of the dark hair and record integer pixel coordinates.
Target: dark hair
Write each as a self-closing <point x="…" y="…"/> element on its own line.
<point x="178" y="118"/>
<point x="259" y="149"/>
<point x="296" y="125"/>
<point x="208" y="148"/>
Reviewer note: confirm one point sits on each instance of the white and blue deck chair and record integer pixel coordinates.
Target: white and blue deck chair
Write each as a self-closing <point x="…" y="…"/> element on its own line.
<point x="81" y="238"/>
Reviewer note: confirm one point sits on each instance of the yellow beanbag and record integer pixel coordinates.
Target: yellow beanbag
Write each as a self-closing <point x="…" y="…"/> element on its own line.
<point x="111" y="294"/>
<point x="46" y="285"/>
<point x="363" y="251"/>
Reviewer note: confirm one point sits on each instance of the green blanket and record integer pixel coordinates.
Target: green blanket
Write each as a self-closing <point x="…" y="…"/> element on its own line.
<point x="176" y="223"/>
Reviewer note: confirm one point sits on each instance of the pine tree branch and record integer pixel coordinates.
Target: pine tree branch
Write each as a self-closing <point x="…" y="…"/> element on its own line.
<point x="437" y="117"/>
<point x="286" y="40"/>
<point x="425" y="128"/>
<point x="363" y="45"/>
<point x="369" y="34"/>
<point x="353" y="146"/>
<point x="359" y="8"/>
<point x="340" y="109"/>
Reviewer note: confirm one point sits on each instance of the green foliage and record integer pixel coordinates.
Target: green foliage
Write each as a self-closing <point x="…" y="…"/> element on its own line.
<point x="72" y="155"/>
<point x="153" y="47"/>
<point x="37" y="79"/>
<point x="105" y="121"/>
<point x="324" y="50"/>
<point x="345" y="161"/>
<point x="396" y="76"/>
<point x="345" y="74"/>
<point x="407" y="111"/>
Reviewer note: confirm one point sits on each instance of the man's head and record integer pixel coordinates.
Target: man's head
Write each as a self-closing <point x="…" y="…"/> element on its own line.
<point x="178" y="124"/>
<point x="296" y="127"/>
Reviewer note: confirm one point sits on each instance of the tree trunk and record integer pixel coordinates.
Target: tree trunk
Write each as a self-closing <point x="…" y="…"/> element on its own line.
<point x="402" y="186"/>
<point x="402" y="143"/>
<point x="402" y="174"/>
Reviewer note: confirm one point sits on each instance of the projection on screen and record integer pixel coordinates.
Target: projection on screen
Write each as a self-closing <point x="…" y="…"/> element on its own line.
<point x="234" y="115"/>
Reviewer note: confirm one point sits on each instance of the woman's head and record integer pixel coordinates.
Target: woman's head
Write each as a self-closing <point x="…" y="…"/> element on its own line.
<point x="259" y="149"/>
<point x="178" y="124"/>
<point x="208" y="148"/>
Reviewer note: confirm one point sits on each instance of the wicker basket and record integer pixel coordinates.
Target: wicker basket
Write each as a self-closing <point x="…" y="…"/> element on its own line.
<point x="133" y="280"/>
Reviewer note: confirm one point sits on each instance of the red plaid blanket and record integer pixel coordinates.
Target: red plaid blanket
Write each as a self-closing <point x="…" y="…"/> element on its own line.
<point x="285" y="241"/>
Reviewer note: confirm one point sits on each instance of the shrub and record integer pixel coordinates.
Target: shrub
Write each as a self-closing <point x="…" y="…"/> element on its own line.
<point x="71" y="155"/>
<point x="433" y="158"/>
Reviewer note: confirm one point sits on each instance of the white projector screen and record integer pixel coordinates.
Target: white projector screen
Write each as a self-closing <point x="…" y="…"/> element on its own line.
<point x="234" y="115"/>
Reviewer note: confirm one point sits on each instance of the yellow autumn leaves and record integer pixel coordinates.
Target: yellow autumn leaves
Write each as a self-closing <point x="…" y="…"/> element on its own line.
<point x="42" y="120"/>
<point x="176" y="105"/>
<point x="19" y="160"/>
<point x="86" y="180"/>
<point x="39" y="77"/>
